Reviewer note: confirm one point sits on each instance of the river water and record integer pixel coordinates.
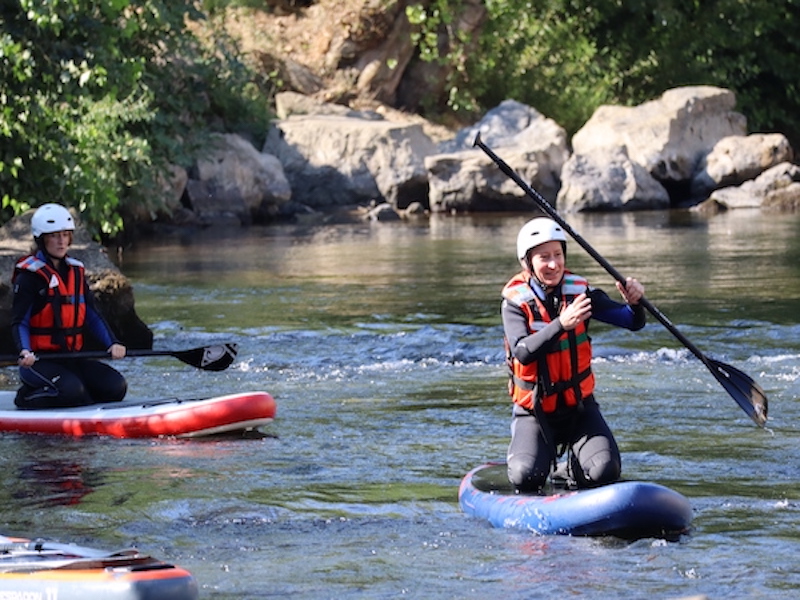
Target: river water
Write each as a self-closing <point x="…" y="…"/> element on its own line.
<point x="382" y="346"/>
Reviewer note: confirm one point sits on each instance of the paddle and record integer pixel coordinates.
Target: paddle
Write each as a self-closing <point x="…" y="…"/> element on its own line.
<point x="20" y="546"/>
<point x="209" y="358"/>
<point x="747" y="393"/>
<point x="39" y="555"/>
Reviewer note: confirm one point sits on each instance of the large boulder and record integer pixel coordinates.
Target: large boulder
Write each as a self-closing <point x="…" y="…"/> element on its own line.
<point x="468" y="181"/>
<point x="112" y="291"/>
<point x="335" y="160"/>
<point x="669" y="136"/>
<point x="736" y="159"/>
<point x="775" y="188"/>
<point x="233" y="181"/>
<point x="608" y="180"/>
<point x="464" y="179"/>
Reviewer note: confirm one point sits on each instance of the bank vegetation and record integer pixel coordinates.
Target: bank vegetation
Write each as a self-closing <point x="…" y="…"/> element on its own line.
<point x="99" y="97"/>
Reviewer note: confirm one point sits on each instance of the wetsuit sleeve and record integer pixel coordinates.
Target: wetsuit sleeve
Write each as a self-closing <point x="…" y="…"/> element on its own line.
<point x="28" y="289"/>
<point x="526" y="346"/>
<point x="95" y="323"/>
<point x="614" y="313"/>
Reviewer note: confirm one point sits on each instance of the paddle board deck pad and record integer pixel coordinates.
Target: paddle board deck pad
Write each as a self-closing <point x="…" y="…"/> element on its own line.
<point x="41" y="570"/>
<point x="627" y="509"/>
<point x="144" y="418"/>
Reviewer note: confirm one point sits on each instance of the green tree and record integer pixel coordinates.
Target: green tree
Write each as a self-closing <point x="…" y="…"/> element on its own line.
<point x="98" y="96"/>
<point x="566" y="57"/>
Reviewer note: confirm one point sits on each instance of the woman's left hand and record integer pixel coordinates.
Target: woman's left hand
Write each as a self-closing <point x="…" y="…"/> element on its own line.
<point x="632" y="291"/>
<point x="117" y="351"/>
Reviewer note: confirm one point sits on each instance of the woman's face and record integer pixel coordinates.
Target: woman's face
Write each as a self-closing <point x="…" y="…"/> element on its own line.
<point x="56" y="244"/>
<point x="547" y="263"/>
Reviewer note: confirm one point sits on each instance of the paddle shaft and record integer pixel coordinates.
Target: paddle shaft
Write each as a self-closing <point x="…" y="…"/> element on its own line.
<point x="210" y="358"/>
<point x="10" y="359"/>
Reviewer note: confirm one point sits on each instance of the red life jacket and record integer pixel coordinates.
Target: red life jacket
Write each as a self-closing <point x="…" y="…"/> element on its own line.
<point x="563" y="377"/>
<point x="58" y="325"/>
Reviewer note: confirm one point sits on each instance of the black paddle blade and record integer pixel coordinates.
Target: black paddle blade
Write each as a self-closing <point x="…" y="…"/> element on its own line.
<point x="747" y="393"/>
<point x="209" y="358"/>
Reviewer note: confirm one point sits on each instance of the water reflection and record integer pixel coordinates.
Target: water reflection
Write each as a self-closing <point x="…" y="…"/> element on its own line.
<point x="48" y="483"/>
<point x="697" y="269"/>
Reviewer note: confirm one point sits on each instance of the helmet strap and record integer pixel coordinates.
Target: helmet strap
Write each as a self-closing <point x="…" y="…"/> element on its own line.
<point x="537" y="286"/>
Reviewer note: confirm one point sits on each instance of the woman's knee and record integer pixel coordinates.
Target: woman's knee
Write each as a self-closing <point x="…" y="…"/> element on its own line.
<point x="529" y="455"/>
<point x="108" y="386"/>
<point x="117" y="393"/>
<point x="600" y="468"/>
<point x="525" y="474"/>
<point x="73" y="393"/>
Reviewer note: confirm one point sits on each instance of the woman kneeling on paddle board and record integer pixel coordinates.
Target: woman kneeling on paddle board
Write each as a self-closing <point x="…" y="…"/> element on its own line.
<point x="52" y="310"/>
<point x="546" y="311"/>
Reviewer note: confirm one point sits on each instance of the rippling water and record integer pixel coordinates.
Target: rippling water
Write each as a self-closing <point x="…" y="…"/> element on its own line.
<point x="382" y="346"/>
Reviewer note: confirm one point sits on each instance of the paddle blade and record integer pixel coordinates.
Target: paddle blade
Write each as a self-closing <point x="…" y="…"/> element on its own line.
<point x="209" y="358"/>
<point x="747" y="393"/>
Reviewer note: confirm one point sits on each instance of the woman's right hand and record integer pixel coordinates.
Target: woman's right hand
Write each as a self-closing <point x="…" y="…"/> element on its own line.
<point x="575" y="313"/>
<point x="26" y="359"/>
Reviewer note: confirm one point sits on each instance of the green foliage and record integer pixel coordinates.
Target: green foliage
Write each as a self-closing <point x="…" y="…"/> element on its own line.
<point x="98" y="96"/>
<point x="550" y="61"/>
<point x="566" y="57"/>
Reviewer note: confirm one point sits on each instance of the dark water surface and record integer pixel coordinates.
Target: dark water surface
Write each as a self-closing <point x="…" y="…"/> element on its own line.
<point x="382" y="346"/>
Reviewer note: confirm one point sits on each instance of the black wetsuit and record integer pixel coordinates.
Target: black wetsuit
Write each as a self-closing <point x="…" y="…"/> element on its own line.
<point x="536" y="436"/>
<point x="61" y="383"/>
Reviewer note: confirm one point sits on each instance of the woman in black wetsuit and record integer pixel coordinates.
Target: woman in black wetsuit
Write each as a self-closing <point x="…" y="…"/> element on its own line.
<point x="546" y="312"/>
<point x="52" y="311"/>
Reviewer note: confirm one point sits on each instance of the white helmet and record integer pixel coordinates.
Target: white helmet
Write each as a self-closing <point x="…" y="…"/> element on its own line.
<point x="50" y="218"/>
<point x="538" y="231"/>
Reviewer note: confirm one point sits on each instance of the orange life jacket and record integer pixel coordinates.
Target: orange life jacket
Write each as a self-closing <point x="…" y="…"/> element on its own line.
<point x="563" y="376"/>
<point x="58" y="326"/>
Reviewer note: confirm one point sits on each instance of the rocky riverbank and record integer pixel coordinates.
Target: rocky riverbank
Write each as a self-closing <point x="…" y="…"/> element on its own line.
<point x="688" y="147"/>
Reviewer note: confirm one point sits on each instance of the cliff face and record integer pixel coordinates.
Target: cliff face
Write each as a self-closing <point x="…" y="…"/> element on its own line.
<point x="353" y="52"/>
